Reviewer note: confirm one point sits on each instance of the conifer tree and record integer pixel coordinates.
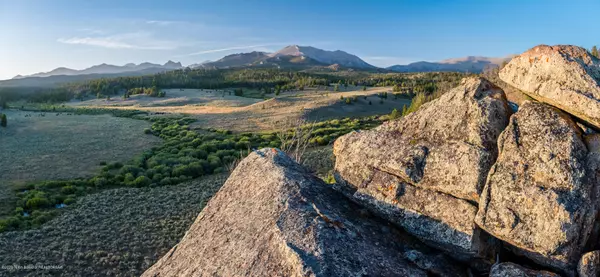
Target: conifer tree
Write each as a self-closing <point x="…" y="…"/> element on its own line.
<point x="3" y="120"/>
<point x="595" y="52"/>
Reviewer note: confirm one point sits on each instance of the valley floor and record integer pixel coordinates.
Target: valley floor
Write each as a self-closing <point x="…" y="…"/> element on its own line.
<point x="122" y="231"/>
<point x="55" y="146"/>
<point x="220" y="109"/>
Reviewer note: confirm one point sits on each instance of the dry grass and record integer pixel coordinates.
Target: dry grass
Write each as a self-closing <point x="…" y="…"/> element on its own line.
<point x="65" y="146"/>
<point x="174" y="98"/>
<point x="119" y="232"/>
<point x="218" y="109"/>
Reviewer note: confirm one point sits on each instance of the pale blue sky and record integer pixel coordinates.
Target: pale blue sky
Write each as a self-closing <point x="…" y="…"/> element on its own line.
<point x="40" y="35"/>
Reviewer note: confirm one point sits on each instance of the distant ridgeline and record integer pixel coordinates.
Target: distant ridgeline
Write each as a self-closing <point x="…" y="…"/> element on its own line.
<point x="269" y="80"/>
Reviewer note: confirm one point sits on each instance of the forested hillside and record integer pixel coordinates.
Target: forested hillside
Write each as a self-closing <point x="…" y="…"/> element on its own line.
<point x="268" y="80"/>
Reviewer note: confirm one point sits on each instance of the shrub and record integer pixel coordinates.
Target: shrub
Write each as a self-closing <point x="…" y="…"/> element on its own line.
<point x="199" y="154"/>
<point x="69" y="201"/>
<point x="99" y="182"/>
<point x="128" y="178"/>
<point x="130" y="169"/>
<point x="39" y="219"/>
<point x="148" y="131"/>
<point x="37" y="203"/>
<point x="68" y="190"/>
<point x="141" y="181"/>
<point x="11" y="223"/>
<point x="394" y="114"/>
<point x="166" y="181"/>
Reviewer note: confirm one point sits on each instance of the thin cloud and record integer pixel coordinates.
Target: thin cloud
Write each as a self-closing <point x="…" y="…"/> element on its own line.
<point x="260" y="46"/>
<point x="161" y="22"/>
<point x="142" y="41"/>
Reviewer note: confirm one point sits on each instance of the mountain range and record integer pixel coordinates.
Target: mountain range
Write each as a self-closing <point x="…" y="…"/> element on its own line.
<point x="290" y="57"/>
<point x="107" y="69"/>
<point x="470" y="64"/>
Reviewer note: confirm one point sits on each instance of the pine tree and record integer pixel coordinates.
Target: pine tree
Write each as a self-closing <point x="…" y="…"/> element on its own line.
<point x="3" y="120"/>
<point x="595" y="52"/>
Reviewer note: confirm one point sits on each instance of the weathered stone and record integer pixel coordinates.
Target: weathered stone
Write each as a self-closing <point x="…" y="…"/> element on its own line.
<point x="589" y="264"/>
<point x="272" y="218"/>
<point x="514" y="270"/>
<point x="448" y="145"/>
<point x="425" y="171"/>
<point x="441" y="220"/>
<point x="564" y="76"/>
<point x="539" y="197"/>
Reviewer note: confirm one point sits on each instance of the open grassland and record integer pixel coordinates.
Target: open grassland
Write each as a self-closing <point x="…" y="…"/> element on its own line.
<point x="173" y="98"/>
<point x="118" y="232"/>
<point x="222" y="109"/>
<point x="61" y="146"/>
<point x="185" y="154"/>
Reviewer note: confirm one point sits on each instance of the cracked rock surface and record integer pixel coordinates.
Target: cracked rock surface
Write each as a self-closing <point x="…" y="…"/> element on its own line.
<point x="273" y="218"/>
<point x="425" y="171"/>
<point x="540" y="195"/>
<point x="564" y="76"/>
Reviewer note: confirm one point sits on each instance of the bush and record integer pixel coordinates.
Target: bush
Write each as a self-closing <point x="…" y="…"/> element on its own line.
<point x="147" y="131"/>
<point x="99" y="182"/>
<point x="141" y="181"/>
<point x="11" y="223"/>
<point x="130" y="169"/>
<point x="37" y="203"/>
<point x="69" y="201"/>
<point x="193" y="170"/>
<point x="68" y="190"/>
<point x="128" y="178"/>
<point x="41" y="218"/>
<point x="395" y="114"/>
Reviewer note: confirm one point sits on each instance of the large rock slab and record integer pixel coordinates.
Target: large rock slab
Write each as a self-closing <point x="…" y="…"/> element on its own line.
<point x="424" y="172"/>
<point x="448" y="145"/>
<point x="514" y="270"/>
<point x="539" y="196"/>
<point x="564" y="76"/>
<point x="272" y="218"/>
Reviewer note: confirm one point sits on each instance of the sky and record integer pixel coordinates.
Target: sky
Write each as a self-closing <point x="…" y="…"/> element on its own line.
<point x="40" y="35"/>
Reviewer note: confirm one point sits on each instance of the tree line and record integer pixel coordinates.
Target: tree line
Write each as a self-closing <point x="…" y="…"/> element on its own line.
<point x="268" y="80"/>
